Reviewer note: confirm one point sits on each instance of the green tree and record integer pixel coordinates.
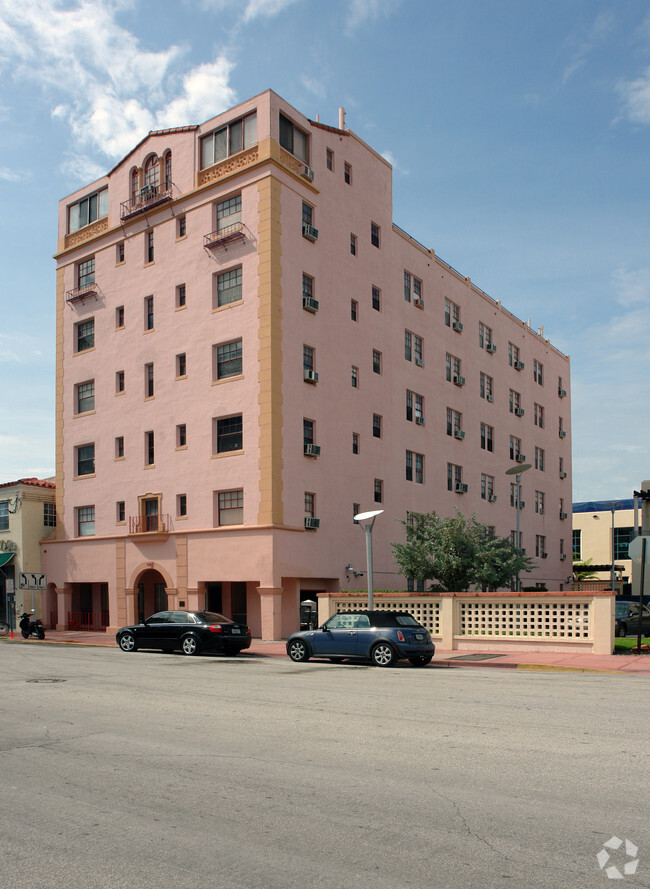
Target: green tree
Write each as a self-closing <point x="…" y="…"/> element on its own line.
<point x="583" y="571"/>
<point x="458" y="552"/>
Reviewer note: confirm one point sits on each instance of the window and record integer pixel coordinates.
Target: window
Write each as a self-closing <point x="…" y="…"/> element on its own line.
<point x="515" y="447"/>
<point x="355" y="443"/>
<point x="87" y="210"/>
<point x="152" y="173"/>
<point x="487" y="437"/>
<point x="347" y="174"/>
<point x="376" y="425"/>
<point x="148" y="380"/>
<point x="49" y="515"/>
<point x="453" y="367"/>
<point x="539" y="416"/>
<point x="228" y="213"/>
<point x="329" y="158"/>
<point x="487" y="487"/>
<point x="540" y="546"/>
<point x="513" y="539"/>
<point x="85" y="335"/>
<point x="454" y="476"/>
<point x="310" y="504"/>
<point x="539" y="502"/>
<point x="148" y="247"/>
<point x="355" y="377"/>
<point x="4" y="515"/>
<point x="622" y="539"/>
<point x="409" y="405"/>
<point x="486" y="387"/>
<point x="539" y="459"/>
<point x="376" y="361"/>
<point x="167" y="169"/>
<point x="452" y="315"/>
<point x="353" y="244"/>
<point x="538" y="372"/>
<point x="230" y="507"/>
<point x="307" y="431"/>
<point x="181" y="296"/>
<point x="354" y="310"/>
<point x="120" y="512"/>
<point x="418" y="354"/>
<point x="414" y="467"/>
<point x="561" y="431"/>
<point x="229" y="139"/>
<point x="181" y="365"/>
<point x="376" y="298"/>
<point x="119" y="253"/>
<point x="308" y="357"/>
<point x="181" y="226"/>
<point x="513" y="494"/>
<point x="577" y="544"/>
<point x="379" y="490"/>
<point x="85" y="521"/>
<point x="148" y="313"/>
<point x="374" y="234"/>
<point x="294" y="139"/>
<point x="561" y="467"/>
<point x="454" y="419"/>
<point x="307" y="214"/>
<point x="419" y="409"/>
<point x="86" y="459"/>
<point x="85" y="397"/>
<point x="119" y="447"/>
<point x="119" y="382"/>
<point x="228" y="357"/>
<point x="356" y="509"/>
<point x="513" y="355"/>
<point x="86" y="272"/>
<point x="412" y="287"/>
<point x="181" y="435"/>
<point x="228" y="287"/>
<point x="119" y="317"/>
<point x="514" y="401"/>
<point x="408" y="345"/>
<point x="181" y="505"/>
<point x="229" y="434"/>
<point x="484" y="335"/>
<point x="149" y="451"/>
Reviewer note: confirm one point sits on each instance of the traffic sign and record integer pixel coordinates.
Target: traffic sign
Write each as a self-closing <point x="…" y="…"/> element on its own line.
<point x="27" y="581"/>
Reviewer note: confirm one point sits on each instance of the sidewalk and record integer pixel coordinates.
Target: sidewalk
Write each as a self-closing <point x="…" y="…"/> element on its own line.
<point x="625" y="664"/>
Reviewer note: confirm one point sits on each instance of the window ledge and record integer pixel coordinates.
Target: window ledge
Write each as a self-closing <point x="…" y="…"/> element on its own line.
<point x="227" y="454"/>
<point x="228" y="379"/>
<point x="182" y="377"/>
<point x="77" y="478"/>
<point x="180" y="448"/>
<point x="231" y="305"/>
<point x="85" y="413"/>
<point x="84" y="351"/>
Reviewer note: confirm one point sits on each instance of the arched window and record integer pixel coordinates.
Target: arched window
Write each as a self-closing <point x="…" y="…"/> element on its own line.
<point x="135" y="183"/>
<point x="168" y="171"/>
<point x="152" y="172"/>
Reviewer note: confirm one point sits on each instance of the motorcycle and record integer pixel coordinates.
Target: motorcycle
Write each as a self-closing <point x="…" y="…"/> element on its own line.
<point x="31" y="627"/>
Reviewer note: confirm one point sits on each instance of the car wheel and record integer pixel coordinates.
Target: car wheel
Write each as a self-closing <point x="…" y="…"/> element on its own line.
<point x="190" y="645"/>
<point x="621" y="630"/>
<point x="421" y="660"/>
<point x="298" y="651"/>
<point x="127" y="642"/>
<point x="383" y="655"/>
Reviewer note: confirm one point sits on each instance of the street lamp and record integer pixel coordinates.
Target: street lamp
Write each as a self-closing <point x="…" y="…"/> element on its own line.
<point x="369" y="518"/>
<point x="517" y="471"/>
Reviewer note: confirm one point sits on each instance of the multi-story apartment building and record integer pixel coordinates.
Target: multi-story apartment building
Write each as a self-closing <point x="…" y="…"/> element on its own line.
<point x="249" y="352"/>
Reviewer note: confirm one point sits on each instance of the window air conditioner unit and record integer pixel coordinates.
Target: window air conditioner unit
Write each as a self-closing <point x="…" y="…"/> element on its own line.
<point x="543" y="555"/>
<point x="310" y="304"/>
<point x="457" y="326"/>
<point x="519" y="365"/>
<point x="309" y="232"/>
<point x="311" y="523"/>
<point x="312" y="450"/>
<point x="522" y="504"/>
<point x="418" y="303"/>
<point x="520" y="458"/>
<point x="519" y="411"/>
<point x="489" y="398"/>
<point x="419" y="421"/>
<point x="418" y="361"/>
<point x="561" y="393"/>
<point x="148" y="191"/>
<point x="459" y="434"/>
<point x="458" y="380"/>
<point x="310" y="376"/>
<point x="491" y="348"/>
<point x="308" y="173"/>
<point x="460" y="488"/>
<point x="540" y="511"/>
<point x="563" y="475"/>
<point x="563" y="515"/>
<point x="492" y="498"/>
<point x="563" y="557"/>
<point x="562" y="433"/>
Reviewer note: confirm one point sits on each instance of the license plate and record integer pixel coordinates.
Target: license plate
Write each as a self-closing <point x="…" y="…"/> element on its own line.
<point x="236" y="630"/>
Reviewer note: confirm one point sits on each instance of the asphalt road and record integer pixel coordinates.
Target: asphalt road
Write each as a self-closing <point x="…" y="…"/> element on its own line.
<point x="148" y="770"/>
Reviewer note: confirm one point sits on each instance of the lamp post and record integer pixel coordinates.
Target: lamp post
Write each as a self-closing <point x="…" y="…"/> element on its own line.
<point x="612" y="506"/>
<point x="517" y="472"/>
<point x="369" y="518"/>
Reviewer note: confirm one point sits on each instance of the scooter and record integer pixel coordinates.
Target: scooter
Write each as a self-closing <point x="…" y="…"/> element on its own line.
<point x="29" y="627"/>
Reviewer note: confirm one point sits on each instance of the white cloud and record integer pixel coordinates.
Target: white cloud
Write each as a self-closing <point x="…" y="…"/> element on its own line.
<point x="7" y="175"/>
<point x="632" y="287"/>
<point x="205" y="92"/>
<point x="256" y="8"/>
<point x="392" y="160"/>
<point x="635" y="95"/>
<point x="313" y="86"/>
<point x="361" y="11"/>
<point x="597" y="33"/>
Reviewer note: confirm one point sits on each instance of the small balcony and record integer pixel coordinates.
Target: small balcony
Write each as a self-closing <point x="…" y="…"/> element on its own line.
<point x="79" y="294"/>
<point x="150" y="524"/>
<point x="225" y="236"/>
<point x="146" y="199"/>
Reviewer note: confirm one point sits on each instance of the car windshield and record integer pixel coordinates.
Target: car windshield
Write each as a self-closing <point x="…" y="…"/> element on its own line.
<point x="211" y="617"/>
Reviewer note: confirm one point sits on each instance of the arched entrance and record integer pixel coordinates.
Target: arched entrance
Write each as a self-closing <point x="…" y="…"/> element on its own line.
<point x="151" y="594"/>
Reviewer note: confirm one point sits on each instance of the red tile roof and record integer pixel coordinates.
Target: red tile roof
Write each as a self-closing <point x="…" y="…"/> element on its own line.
<point x="35" y="482"/>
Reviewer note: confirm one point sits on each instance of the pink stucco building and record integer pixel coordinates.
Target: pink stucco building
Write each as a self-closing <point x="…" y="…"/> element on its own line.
<point x="249" y="351"/>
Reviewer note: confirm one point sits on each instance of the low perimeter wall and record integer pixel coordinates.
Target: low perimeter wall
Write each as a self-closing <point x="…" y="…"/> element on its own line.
<point x="562" y="621"/>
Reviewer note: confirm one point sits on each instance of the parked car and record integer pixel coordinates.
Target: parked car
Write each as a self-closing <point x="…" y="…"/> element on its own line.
<point x="382" y="637"/>
<point x="189" y="631"/>
<point x="626" y="619"/>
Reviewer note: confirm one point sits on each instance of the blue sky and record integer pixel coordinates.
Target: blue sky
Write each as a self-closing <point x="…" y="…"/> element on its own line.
<point x="519" y="134"/>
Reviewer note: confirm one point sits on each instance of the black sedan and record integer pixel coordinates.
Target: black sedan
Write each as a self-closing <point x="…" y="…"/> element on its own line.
<point x="189" y="631"/>
<point x="626" y="619"/>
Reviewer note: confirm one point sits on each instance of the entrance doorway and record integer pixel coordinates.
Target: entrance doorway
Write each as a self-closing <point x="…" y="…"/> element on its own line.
<point x="152" y="594"/>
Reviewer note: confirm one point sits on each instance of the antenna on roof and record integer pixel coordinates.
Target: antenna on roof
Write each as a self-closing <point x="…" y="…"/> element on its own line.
<point x="342" y="118"/>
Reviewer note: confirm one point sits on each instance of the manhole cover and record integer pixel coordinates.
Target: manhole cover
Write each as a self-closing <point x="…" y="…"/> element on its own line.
<point x="45" y="680"/>
<point x="476" y="657"/>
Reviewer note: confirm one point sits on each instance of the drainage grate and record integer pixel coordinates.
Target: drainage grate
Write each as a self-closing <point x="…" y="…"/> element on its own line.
<point x="45" y="680"/>
<point x="475" y="657"/>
